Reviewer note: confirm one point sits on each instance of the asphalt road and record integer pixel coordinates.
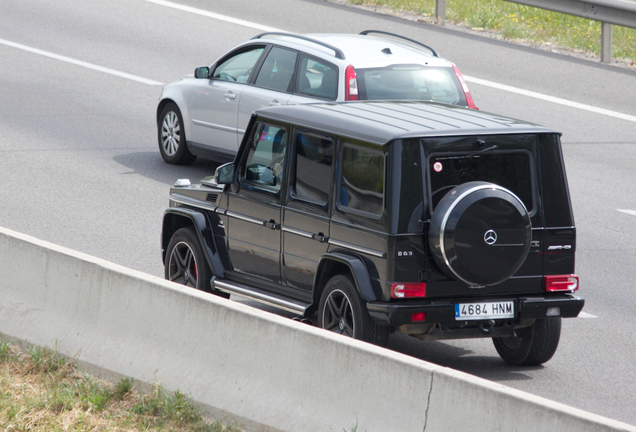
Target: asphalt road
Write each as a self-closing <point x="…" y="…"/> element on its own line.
<point x="79" y="165"/>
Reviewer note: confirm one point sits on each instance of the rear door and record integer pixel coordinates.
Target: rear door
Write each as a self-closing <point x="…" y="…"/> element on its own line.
<point x="271" y="87"/>
<point x="307" y="207"/>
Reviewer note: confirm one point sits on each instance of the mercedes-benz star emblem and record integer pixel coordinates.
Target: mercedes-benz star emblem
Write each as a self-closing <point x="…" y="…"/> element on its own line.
<point x="490" y="237"/>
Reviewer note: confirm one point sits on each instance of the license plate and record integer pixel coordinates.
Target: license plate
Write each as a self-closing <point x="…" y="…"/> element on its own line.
<point x="486" y="310"/>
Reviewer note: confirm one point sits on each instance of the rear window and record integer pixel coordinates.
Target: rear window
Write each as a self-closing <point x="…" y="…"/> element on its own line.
<point x="511" y="170"/>
<point x="362" y="182"/>
<point x="410" y="82"/>
<point x="311" y="177"/>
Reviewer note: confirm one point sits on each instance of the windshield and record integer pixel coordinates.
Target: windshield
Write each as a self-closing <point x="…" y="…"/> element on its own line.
<point x="410" y="82"/>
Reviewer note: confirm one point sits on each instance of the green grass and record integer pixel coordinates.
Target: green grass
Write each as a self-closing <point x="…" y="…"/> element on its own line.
<point x="514" y="22"/>
<point x="41" y="391"/>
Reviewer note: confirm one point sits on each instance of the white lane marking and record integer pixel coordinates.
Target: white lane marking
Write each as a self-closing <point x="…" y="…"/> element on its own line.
<point x="586" y="315"/>
<point x="629" y="212"/>
<point x="215" y="16"/>
<point x="552" y="99"/>
<point x="80" y="63"/>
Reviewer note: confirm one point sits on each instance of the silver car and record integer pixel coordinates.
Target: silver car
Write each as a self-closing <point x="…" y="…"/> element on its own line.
<point x="205" y="114"/>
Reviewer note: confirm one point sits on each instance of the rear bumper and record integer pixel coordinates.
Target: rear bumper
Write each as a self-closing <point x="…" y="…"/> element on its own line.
<point x="443" y="312"/>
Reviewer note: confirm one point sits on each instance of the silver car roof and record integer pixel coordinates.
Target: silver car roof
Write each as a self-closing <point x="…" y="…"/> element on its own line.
<point x="362" y="51"/>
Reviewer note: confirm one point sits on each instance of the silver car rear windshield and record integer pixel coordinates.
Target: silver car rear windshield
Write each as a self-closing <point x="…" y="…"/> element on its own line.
<point x="410" y="82"/>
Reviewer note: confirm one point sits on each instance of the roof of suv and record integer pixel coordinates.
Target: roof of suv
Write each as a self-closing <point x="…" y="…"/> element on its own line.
<point x="364" y="50"/>
<point x="382" y="121"/>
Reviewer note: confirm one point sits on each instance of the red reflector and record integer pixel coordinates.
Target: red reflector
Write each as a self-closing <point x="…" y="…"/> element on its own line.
<point x="561" y="283"/>
<point x="351" y="84"/>
<point x="469" y="98"/>
<point x="408" y="290"/>
<point x="418" y="316"/>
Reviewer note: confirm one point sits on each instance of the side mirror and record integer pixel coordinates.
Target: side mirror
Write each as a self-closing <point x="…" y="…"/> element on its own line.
<point x="202" y="72"/>
<point x="224" y="174"/>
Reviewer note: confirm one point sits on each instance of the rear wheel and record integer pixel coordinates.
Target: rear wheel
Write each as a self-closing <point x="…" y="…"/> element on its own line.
<point x="186" y="263"/>
<point x="536" y="345"/>
<point x="171" y="136"/>
<point x="341" y="311"/>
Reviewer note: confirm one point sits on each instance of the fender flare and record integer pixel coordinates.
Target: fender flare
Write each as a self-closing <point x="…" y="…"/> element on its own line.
<point x="357" y="268"/>
<point x="179" y="217"/>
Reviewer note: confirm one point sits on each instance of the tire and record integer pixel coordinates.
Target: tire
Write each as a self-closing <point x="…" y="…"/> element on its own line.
<point x="171" y="137"/>
<point x="342" y="311"/>
<point x="186" y="263"/>
<point x="480" y="233"/>
<point x="535" y="346"/>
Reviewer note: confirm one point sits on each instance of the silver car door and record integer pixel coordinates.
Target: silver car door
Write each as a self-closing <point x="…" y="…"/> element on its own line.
<point x="215" y="101"/>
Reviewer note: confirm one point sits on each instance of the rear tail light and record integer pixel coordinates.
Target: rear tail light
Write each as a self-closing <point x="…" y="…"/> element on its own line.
<point x="418" y="317"/>
<point x="561" y="283"/>
<point x="351" y="84"/>
<point x="469" y="98"/>
<point x="408" y="290"/>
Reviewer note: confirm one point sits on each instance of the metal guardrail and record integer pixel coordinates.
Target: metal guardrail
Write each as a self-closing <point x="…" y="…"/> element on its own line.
<point x="608" y="12"/>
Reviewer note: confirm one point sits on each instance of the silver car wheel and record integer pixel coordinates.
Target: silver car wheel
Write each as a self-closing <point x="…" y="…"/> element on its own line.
<point x="170" y="133"/>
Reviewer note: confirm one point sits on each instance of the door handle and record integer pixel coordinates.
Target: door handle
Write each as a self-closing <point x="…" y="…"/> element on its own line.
<point x="230" y="95"/>
<point x="272" y="224"/>
<point x="274" y="103"/>
<point x="320" y="237"/>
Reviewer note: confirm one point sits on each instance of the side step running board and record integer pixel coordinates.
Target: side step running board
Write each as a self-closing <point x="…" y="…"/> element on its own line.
<point x="260" y="296"/>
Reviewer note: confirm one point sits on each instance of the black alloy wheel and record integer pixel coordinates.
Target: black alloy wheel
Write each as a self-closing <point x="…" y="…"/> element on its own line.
<point x="536" y="345"/>
<point x="338" y="315"/>
<point x="185" y="263"/>
<point x="342" y="311"/>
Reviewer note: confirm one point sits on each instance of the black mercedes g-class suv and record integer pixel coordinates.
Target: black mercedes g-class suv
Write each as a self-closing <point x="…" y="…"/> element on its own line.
<point x="376" y="217"/>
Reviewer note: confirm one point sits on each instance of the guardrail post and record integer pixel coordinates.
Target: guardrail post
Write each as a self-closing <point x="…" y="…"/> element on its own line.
<point x="440" y="11"/>
<point x="606" y="43"/>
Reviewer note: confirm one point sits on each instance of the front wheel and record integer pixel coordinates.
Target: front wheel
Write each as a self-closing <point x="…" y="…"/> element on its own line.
<point x="536" y="345"/>
<point x="171" y="136"/>
<point x="186" y="263"/>
<point x="341" y="311"/>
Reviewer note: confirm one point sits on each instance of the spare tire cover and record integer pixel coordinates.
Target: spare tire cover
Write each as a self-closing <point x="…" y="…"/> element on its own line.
<point x="480" y="233"/>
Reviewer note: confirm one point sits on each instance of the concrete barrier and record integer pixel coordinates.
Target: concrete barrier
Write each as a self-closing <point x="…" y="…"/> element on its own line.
<point x="268" y="373"/>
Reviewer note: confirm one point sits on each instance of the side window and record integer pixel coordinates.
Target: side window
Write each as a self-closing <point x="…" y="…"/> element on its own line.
<point x="313" y="159"/>
<point x="265" y="157"/>
<point x="239" y="66"/>
<point x="362" y="182"/>
<point x="277" y="70"/>
<point x="317" y="79"/>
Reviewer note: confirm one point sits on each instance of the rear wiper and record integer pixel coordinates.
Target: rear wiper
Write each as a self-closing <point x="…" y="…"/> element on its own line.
<point x="470" y="155"/>
<point x="479" y="152"/>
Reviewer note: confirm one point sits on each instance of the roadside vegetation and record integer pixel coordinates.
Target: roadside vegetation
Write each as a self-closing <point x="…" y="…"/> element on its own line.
<point x="40" y="391"/>
<point x="516" y="22"/>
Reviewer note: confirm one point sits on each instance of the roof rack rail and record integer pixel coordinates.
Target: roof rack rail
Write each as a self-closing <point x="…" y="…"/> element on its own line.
<point x="366" y="32"/>
<point x="337" y="51"/>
